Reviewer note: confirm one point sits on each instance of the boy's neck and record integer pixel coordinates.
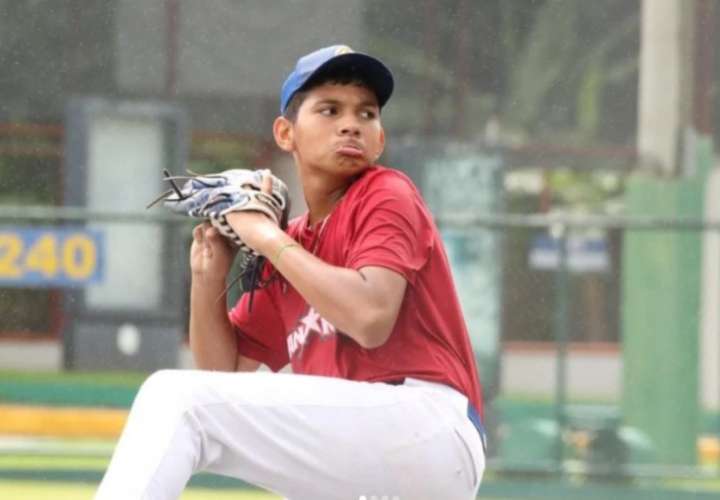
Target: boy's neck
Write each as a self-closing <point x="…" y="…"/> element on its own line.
<point x="322" y="194"/>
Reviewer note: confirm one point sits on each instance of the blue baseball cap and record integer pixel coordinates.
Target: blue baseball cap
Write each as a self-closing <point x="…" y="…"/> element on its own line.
<point x="338" y="59"/>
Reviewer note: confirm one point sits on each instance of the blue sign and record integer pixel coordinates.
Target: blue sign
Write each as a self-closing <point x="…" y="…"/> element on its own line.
<point x="584" y="254"/>
<point x="35" y="256"/>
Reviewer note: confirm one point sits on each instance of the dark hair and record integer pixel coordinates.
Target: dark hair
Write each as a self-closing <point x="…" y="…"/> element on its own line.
<point x="291" y="111"/>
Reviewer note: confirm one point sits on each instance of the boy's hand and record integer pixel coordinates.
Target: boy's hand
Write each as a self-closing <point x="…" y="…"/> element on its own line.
<point x="254" y="228"/>
<point x="215" y="196"/>
<point x="211" y="255"/>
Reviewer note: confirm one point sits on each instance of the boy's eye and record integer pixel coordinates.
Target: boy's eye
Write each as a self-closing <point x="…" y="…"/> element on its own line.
<point x="328" y="111"/>
<point x="368" y="114"/>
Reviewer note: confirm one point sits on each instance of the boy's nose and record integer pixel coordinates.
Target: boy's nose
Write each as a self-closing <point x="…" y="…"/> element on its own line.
<point x="349" y="124"/>
<point x="349" y="129"/>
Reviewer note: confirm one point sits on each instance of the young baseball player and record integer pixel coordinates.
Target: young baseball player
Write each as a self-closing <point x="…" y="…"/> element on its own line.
<point x="384" y="399"/>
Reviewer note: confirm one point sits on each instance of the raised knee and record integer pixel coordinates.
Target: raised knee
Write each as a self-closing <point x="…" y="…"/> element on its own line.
<point x="164" y="387"/>
<point x="161" y="380"/>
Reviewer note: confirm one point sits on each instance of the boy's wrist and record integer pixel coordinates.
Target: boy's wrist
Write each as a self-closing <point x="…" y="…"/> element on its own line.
<point x="255" y="229"/>
<point x="207" y="283"/>
<point x="270" y="240"/>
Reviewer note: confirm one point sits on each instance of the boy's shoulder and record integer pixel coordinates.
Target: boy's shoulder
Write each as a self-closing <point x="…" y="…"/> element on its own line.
<point x="379" y="176"/>
<point x="375" y="179"/>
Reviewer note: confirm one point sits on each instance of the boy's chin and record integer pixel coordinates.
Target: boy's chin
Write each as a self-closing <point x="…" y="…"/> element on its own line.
<point x="353" y="170"/>
<point x="356" y="164"/>
<point x="343" y="167"/>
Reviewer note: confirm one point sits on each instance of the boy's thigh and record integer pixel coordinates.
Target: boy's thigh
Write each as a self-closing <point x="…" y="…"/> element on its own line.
<point x="325" y="438"/>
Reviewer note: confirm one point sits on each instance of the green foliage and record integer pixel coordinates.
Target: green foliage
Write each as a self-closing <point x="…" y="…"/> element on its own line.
<point x="591" y="189"/>
<point x="579" y="56"/>
<point x="553" y="70"/>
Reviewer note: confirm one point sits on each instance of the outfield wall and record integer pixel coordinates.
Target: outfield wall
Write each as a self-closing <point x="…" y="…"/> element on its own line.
<point x="528" y="369"/>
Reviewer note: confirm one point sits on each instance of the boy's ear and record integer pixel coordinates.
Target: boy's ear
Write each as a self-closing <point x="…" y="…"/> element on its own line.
<point x="283" y="133"/>
<point x="381" y="144"/>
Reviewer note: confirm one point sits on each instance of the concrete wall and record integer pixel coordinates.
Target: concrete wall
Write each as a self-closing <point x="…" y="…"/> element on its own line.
<point x="527" y="372"/>
<point x="593" y="374"/>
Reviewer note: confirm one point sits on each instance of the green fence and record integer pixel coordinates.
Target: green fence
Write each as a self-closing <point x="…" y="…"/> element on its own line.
<point x="551" y="445"/>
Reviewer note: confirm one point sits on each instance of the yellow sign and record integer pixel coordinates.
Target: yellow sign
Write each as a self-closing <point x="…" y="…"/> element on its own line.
<point x="48" y="256"/>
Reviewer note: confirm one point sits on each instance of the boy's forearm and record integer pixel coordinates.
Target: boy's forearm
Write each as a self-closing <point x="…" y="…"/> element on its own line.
<point x="340" y="295"/>
<point x="212" y="339"/>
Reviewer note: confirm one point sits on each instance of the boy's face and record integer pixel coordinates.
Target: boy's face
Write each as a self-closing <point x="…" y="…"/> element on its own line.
<point x="337" y="130"/>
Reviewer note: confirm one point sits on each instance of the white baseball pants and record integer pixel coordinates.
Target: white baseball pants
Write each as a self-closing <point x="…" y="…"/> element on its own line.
<point x="303" y="437"/>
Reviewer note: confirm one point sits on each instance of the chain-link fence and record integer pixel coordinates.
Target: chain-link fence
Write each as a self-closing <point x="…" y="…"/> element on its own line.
<point x="558" y="408"/>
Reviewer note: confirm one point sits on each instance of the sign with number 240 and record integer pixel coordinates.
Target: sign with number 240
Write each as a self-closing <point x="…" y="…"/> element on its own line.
<point x="48" y="256"/>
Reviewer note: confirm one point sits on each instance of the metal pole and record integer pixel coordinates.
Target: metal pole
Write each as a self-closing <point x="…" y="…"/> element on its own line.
<point x="561" y="340"/>
<point x="431" y="50"/>
<point x="462" y="68"/>
<point x="172" y="9"/>
<point x="718" y="468"/>
<point x="703" y="95"/>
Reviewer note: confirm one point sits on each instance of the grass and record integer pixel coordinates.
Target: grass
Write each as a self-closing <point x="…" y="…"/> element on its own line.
<point x="40" y="462"/>
<point x="517" y="488"/>
<point x="28" y="490"/>
<point x="118" y="378"/>
<point x="25" y="490"/>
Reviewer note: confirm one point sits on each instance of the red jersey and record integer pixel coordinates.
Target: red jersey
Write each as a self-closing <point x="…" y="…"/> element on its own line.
<point x="380" y="221"/>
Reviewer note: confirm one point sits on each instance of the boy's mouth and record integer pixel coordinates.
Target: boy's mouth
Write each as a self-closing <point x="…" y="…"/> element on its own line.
<point x="350" y="149"/>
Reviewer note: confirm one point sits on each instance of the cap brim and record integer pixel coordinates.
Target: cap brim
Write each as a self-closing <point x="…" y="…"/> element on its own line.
<point x="365" y="67"/>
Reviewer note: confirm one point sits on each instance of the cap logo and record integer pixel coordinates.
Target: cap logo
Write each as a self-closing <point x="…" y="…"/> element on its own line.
<point x="343" y="49"/>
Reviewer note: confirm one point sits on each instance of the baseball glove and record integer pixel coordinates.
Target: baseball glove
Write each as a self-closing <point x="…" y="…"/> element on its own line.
<point x="213" y="196"/>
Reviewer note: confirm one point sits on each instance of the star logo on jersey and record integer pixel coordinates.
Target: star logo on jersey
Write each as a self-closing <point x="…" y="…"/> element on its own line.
<point x="311" y="323"/>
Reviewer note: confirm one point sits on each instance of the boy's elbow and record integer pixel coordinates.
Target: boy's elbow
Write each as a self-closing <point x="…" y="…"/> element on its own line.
<point x="374" y="331"/>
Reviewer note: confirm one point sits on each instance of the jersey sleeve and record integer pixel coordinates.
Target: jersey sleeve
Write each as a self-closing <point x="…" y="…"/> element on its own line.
<point x="261" y="335"/>
<point x="392" y="229"/>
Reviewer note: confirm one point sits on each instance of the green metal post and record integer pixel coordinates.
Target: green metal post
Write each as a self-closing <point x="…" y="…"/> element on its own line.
<point x="561" y="340"/>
